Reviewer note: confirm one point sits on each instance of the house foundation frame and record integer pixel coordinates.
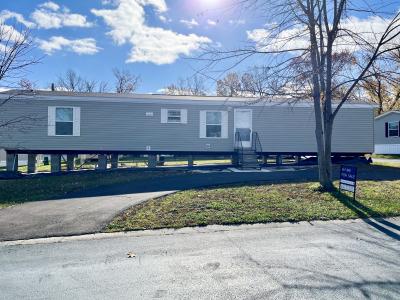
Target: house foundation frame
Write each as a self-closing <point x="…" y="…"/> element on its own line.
<point x="31" y="163"/>
<point x="56" y="155"/>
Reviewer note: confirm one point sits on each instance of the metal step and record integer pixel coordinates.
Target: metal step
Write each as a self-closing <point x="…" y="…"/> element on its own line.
<point x="248" y="159"/>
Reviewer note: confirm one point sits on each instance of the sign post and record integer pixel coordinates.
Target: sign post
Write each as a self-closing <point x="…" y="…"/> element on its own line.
<point x="348" y="179"/>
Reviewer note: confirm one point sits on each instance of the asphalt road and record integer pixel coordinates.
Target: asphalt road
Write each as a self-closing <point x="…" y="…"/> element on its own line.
<point x="319" y="260"/>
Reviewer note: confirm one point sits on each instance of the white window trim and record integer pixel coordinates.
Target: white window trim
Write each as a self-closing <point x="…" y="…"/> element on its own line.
<point x="203" y="124"/>
<point x="76" y="121"/>
<point x="398" y="128"/>
<point x="164" y="116"/>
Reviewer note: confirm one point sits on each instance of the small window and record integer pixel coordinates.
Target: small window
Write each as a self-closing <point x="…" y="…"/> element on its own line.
<point x="64" y="121"/>
<point x="213" y="124"/>
<point x="393" y="128"/>
<point x="174" y="116"/>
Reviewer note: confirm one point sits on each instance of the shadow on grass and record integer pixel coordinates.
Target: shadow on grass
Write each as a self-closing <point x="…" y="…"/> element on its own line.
<point x="367" y="214"/>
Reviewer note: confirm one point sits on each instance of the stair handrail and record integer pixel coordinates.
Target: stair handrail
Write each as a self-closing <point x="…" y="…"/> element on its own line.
<point x="239" y="145"/>
<point x="256" y="143"/>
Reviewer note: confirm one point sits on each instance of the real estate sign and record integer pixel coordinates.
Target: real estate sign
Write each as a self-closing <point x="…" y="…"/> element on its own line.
<point x="348" y="179"/>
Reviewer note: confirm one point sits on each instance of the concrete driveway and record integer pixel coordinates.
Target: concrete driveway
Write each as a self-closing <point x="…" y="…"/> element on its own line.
<point x="91" y="210"/>
<point x="316" y="260"/>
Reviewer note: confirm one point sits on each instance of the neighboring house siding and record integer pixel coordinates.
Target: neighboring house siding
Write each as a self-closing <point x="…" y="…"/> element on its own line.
<point x="124" y="126"/>
<point x="383" y="144"/>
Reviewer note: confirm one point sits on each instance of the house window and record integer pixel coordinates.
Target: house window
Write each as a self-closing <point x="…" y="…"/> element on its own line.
<point x="174" y="116"/>
<point x="214" y="124"/>
<point x="64" y="121"/>
<point x="393" y="128"/>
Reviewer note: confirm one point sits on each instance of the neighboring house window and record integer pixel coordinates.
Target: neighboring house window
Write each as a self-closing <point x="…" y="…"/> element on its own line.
<point x="213" y="124"/>
<point x="393" y="128"/>
<point x="174" y="116"/>
<point x="63" y="121"/>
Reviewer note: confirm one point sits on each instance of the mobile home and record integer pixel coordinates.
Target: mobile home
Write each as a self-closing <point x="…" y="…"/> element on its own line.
<point x="112" y="124"/>
<point x="387" y="133"/>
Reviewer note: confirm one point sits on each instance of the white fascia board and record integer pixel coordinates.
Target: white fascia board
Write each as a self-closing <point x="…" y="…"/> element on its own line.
<point x="387" y="113"/>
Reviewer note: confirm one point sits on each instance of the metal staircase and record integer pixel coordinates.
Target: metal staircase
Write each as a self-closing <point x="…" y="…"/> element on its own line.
<point x="247" y="158"/>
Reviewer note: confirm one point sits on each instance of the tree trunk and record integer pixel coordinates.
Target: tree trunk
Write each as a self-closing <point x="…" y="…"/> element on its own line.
<point x="324" y="138"/>
<point x="325" y="163"/>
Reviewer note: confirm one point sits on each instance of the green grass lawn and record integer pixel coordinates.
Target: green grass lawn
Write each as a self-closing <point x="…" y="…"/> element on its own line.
<point x="386" y="164"/>
<point x="14" y="191"/>
<point x="388" y="156"/>
<point x="259" y="204"/>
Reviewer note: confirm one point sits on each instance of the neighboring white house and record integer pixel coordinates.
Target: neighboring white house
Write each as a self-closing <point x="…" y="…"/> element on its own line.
<point x="387" y="133"/>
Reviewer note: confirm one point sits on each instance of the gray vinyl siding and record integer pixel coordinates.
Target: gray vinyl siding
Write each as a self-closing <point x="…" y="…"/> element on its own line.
<point x="124" y="126"/>
<point x="292" y="129"/>
<point x="379" y="129"/>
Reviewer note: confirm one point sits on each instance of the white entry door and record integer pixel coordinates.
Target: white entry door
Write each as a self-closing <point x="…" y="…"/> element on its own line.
<point x="243" y="125"/>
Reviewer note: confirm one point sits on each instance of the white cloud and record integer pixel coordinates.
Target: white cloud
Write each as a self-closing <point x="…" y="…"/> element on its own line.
<point x="237" y="22"/>
<point x="149" y="44"/>
<point x="267" y="40"/>
<point x="50" y="5"/>
<point x="48" y="15"/>
<point x="79" y="46"/>
<point x="9" y="36"/>
<point x="211" y="22"/>
<point x="189" y="23"/>
<point x="9" y="33"/>
<point x="6" y="14"/>
<point x="369" y="29"/>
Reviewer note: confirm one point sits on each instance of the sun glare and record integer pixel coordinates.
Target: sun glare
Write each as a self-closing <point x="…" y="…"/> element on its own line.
<point x="210" y="3"/>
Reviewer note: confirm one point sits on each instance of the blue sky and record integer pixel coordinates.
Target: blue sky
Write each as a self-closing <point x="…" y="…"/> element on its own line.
<point x="150" y="38"/>
<point x="92" y="37"/>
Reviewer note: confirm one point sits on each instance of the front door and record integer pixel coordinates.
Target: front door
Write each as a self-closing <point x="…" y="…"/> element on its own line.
<point x="243" y="125"/>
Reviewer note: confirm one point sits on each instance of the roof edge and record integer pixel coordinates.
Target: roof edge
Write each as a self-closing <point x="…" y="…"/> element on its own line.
<point x="387" y="113"/>
<point x="225" y="99"/>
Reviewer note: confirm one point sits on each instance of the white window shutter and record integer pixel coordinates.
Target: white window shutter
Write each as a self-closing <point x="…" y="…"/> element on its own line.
<point x="51" y="121"/>
<point x="184" y="116"/>
<point x="202" y="124"/>
<point x="224" y="127"/>
<point x="77" y="121"/>
<point x="164" y="115"/>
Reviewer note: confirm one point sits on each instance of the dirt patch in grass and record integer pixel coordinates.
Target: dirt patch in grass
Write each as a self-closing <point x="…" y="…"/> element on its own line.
<point x="259" y="204"/>
<point x="14" y="191"/>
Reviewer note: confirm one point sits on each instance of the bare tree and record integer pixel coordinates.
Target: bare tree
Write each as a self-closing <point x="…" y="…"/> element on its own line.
<point x="251" y="83"/>
<point x="15" y="58"/>
<point x="102" y="87"/>
<point x="382" y="86"/>
<point x="316" y="30"/>
<point x="125" y="81"/>
<point x="191" y="86"/>
<point x="26" y="84"/>
<point x="229" y="86"/>
<point x="71" y="81"/>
